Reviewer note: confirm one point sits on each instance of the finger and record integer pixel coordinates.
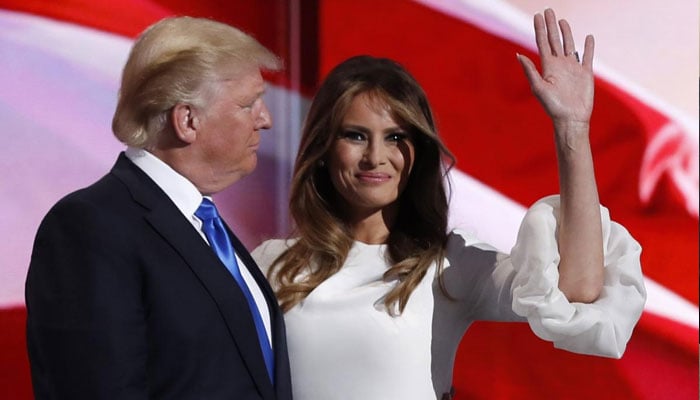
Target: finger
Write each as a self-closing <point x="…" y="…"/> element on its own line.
<point x="541" y="36"/>
<point x="550" y="20"/>
<point x="531" y="73"/>
<point x="588" y="51"/>
<point x="567" y="37"/>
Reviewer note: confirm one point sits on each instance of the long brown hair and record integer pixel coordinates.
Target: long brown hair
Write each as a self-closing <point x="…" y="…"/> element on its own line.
<point x="419" y="235"/>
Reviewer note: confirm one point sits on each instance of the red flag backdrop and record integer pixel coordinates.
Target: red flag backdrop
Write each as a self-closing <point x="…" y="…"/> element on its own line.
<point x="464" y="55"/>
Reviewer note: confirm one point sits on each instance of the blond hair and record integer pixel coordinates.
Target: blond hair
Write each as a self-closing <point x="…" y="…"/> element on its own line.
<point x="174" y="61"/>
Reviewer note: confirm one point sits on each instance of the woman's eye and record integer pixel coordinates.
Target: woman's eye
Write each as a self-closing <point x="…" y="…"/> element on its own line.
<point x="397" y="137"/>
<point x="353" y="135"/>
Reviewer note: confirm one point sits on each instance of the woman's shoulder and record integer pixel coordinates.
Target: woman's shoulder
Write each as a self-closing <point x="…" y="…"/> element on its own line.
<point x="268" y="251"/>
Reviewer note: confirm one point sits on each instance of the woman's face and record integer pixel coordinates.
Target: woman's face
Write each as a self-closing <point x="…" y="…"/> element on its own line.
<point x="371" y="157"/>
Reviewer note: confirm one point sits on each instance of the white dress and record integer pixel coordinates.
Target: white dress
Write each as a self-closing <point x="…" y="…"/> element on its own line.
<point x="343" y="344"/>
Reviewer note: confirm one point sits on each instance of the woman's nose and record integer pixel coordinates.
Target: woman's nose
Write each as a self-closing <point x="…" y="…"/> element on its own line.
<point x="375" y="154"/>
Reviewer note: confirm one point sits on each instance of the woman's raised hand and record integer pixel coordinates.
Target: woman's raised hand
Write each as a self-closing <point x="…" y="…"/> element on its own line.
<point x="565" y="86"/>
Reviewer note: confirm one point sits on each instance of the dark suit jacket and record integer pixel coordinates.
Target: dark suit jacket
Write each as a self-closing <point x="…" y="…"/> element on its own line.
<point x="126" y="301"/>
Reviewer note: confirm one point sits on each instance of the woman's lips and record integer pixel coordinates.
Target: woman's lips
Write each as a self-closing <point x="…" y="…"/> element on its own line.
<point x="372" y="177"/>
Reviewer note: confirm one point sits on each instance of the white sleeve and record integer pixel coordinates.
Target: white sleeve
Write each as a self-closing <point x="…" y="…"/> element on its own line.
<point x="600" y="328"/>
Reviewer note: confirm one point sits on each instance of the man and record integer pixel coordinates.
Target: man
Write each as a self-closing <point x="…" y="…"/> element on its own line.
<point x="128" y="294"/>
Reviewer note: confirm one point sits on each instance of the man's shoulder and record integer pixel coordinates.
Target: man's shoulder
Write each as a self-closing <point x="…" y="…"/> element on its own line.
<point x="103" y="191"/>
<point x="106" y="196"/>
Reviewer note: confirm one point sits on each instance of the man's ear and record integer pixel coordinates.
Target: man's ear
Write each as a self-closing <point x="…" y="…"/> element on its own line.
<point x="185" y="123"/>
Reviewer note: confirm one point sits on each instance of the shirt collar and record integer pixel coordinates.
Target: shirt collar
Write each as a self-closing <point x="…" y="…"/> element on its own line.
<point x="179" y="189"/>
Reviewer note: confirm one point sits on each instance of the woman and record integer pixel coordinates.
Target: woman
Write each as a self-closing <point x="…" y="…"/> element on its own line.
<point x="377" y="292"/>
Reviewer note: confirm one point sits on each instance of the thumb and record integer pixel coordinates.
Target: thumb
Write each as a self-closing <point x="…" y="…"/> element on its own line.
<point x="533" y="76"/>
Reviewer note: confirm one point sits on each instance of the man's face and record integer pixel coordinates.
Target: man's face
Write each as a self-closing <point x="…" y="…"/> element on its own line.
<point x="229" y="133"/>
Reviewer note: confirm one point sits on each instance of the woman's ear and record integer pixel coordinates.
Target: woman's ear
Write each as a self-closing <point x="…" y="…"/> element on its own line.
<point x="185" y="123"/>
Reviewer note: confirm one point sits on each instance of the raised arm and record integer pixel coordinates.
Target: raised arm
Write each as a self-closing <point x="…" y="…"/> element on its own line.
<point x="565" y="90"/>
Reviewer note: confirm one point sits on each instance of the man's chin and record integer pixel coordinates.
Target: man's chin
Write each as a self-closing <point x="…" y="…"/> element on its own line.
<point x="249" y="167"/>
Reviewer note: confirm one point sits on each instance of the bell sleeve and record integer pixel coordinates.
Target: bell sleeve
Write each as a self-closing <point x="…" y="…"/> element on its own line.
<point x="600" y="328"/>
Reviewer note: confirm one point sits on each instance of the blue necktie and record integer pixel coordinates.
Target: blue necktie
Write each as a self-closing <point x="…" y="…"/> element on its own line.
<point x="214" y="230"/>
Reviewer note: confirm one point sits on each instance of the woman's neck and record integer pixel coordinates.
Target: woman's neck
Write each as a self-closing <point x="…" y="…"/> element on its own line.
<point x="373" y="227"/>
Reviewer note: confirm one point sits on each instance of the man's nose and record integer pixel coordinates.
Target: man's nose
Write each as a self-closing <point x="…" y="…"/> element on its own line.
<point x="264" y="118"/>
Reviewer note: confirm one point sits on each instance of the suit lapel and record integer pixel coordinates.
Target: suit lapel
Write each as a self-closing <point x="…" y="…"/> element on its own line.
<point x="278" y="333"/>
<point x="165" y="218"/>
<point x="254" y="270"/>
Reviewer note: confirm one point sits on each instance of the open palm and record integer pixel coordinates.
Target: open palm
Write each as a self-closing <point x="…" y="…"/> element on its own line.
<point x="565" y="86"/>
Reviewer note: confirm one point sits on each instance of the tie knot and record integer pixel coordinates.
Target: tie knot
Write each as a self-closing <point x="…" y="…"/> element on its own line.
<point x="207" y="210"/>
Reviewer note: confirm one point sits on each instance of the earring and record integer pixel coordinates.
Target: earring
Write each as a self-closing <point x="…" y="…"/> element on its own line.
<point x="321" y="163"/>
